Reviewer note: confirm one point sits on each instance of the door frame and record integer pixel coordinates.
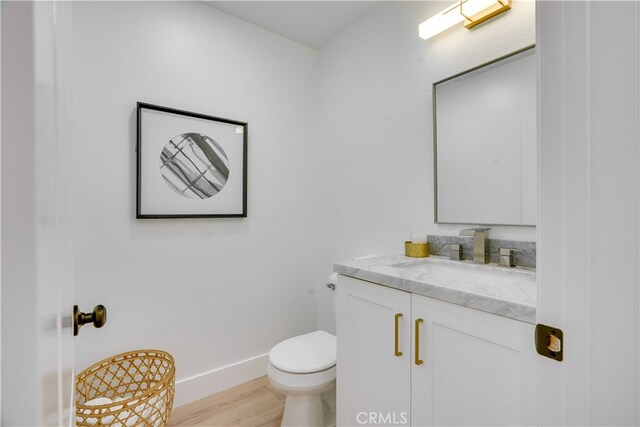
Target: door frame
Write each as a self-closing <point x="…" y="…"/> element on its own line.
<point x="589" y="215"/>
<point x="37" y="269"/>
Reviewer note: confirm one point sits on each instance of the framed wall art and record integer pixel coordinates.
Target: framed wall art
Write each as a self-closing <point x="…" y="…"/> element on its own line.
<point x="190" y="165"/>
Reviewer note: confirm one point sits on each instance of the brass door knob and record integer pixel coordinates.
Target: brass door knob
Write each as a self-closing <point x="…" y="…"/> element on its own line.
<point x="98" y="317"/>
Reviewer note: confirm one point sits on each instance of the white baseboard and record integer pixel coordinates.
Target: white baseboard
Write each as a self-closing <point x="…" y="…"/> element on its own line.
<point x="217" y="380"/>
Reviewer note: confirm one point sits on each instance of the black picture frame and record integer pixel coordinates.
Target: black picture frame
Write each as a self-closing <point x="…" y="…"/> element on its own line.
<point x="141" y="106"/>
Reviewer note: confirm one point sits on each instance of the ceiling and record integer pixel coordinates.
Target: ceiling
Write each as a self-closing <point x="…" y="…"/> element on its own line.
<point x="311" y="23"/>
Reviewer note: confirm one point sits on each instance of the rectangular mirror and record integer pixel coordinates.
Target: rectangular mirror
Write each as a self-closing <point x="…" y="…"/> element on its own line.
<point x="485" y="143"/>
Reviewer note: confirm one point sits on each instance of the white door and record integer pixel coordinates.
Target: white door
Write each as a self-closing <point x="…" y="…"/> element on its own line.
<point x="589" y="222"/>
<point x="374" y="383"/>
<point x="37" y="279"/>
<point x="470" y="367"/>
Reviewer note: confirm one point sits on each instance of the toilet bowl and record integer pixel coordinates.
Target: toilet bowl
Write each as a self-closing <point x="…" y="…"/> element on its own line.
<point x="303" y="368"/>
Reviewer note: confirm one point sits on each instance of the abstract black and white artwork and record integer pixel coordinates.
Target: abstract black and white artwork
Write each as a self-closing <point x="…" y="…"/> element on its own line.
<point x="194" y="165"/>
<point x="190" y="164"/>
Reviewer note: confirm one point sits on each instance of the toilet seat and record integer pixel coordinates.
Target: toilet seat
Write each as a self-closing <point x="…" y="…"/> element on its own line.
<point x="289" y="383"/>
<point x="305" y="354"/>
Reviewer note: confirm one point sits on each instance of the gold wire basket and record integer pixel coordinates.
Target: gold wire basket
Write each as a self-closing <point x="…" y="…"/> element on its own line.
<point x="140" y="384"/>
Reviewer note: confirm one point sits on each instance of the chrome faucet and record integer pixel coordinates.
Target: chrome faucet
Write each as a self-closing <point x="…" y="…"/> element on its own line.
<point x="480" y="243"/>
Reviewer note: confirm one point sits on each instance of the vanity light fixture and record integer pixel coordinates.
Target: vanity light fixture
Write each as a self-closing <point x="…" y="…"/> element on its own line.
<point x="472" y="12"/>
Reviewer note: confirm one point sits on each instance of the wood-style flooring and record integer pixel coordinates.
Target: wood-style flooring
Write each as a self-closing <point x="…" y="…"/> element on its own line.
<point x="253" y="404"/>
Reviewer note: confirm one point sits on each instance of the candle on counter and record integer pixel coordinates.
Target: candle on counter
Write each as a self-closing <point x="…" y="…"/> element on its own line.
<point x="418" y="238"/>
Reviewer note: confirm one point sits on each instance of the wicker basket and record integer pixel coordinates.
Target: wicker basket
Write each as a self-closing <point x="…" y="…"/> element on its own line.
<point x="140" y="383"/>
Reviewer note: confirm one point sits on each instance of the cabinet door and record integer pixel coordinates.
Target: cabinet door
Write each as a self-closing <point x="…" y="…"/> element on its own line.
<point x="373" y="380"/>
<point x="478" y="368"/>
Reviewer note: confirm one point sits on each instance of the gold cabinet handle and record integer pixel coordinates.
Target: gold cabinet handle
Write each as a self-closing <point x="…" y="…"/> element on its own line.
<point x="397" y="353"/>
<point x="417" y="352"/>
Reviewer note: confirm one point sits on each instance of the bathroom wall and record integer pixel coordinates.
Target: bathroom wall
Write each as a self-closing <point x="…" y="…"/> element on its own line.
<point x="375" y="168"/>
<point x="216" y="293"/>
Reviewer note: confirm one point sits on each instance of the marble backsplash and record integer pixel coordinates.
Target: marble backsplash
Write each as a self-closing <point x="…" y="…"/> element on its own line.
<point x="440" y="245"/>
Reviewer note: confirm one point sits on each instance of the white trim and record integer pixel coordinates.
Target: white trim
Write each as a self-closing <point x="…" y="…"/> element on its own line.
<point x="219" y="379"/>
<point x="638" y="133"/>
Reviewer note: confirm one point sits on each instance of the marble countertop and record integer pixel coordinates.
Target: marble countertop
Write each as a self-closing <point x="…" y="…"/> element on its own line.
<point x="508" y="292"/>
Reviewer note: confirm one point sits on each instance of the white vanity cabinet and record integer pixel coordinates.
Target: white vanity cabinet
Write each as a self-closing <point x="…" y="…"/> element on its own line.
<point x="371" y="378"/>
<point x="468" y="367"/>
<point x="478" y="368"/>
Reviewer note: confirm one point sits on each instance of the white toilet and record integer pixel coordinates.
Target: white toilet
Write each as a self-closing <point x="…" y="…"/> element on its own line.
<point x="303" y="368"/>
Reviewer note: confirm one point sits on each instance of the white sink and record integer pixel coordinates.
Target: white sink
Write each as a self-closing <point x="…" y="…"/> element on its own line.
<point x="486" y="275"/>
<point x="509" y="292"/>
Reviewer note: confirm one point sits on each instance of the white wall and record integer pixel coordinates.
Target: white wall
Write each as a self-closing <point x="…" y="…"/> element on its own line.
<point x="212" y="292"/>
<point x="375" y="169"/>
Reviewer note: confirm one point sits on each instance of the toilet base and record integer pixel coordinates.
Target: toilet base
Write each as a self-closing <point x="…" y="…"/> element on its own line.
<point x="303" y="406"/>
<point x="303" y="410"/>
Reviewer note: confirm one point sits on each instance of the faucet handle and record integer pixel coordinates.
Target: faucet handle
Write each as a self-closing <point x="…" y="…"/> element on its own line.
<point x="506" y="257"/>
<point x="456" y="252"/>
